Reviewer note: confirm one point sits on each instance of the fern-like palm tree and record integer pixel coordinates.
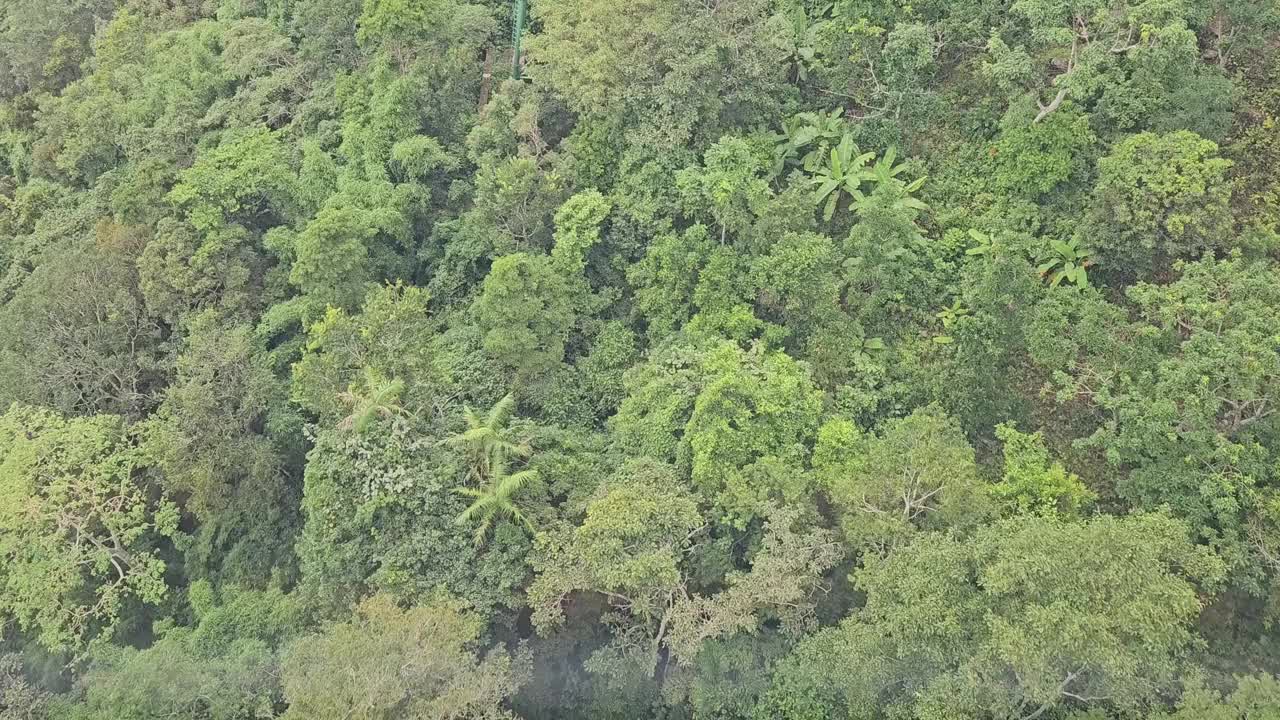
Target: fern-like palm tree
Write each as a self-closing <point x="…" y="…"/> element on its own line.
<point x="485" y="439"/>
<point x="379" y="398"/>
<point x="496" y="499"/>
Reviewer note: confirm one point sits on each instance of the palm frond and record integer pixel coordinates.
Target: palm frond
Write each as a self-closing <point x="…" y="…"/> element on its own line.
<point x="473" y="436"/>
<point x="501" y="412"/>
<point x="483" y="531"/>
<point x="473" y="420"/>
<point x="520" y="518"/>
<point x="379" y="398"/>
<point x="496" y="499"/>
<point x="512" y="484"/>
<point x="483" y="507"/>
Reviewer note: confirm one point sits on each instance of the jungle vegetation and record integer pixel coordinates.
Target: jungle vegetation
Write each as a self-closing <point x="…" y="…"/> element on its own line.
<point x="740" y="360"/>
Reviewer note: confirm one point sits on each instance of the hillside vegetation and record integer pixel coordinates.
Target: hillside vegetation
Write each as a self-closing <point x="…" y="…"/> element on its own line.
<point x="738" y="360"/>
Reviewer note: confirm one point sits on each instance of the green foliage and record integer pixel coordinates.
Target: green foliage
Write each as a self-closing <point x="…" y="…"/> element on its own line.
<point x="998" y="446"/>
<point x="18" y="698"/>
<point x="1136" y="65"/>
<point x="629" y="543"/>
<point x="748" y="428"/>
<point x="729" y="185"/>
<point x="577" y="230"/>
<point x="344" y="348"/>
<point x="227" y="666"/>
<point x="246" y="175"/>
<point x="171" y="679"/>
<point x="331" y="258"/>
<point x="43" y="46"/>
<point x="222" y="438"/>
<point x="81" y="532"/>
<point x="699" y="66"/>
<point x="919" y="474"/>
<point x="380" y="514"/>
<point x="1161" y="196"/>
<point x="631" y="549"/>
<point x="738" y="421"/>
<point x="665" y="280"/>
<point x="1034" y="484"/>
<point x="76" y="337"/>
<point x="1254" y="696"/>
<point x="525" y="313"/>
<point x="182" y="271"/>
<point x="1032" y="160"/>
<point x="387" y="661"/>
<point x="1182" y="390"/>
<point x="998" y="626"/>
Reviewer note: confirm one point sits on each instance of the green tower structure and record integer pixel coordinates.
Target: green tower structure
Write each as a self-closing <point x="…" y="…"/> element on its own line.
<point x="517" y="30"/>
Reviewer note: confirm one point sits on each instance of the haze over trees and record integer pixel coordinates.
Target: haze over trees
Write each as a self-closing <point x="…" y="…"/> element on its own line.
<point x="743" y="360"/>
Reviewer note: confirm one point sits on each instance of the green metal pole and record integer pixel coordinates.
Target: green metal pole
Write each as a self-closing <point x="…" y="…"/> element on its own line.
<point x="517" y="30"/>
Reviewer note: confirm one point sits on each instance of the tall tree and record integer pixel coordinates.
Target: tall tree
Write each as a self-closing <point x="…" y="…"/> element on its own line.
<point x="385" y="662"/>
<point x="496" y="498"/>
<point x="1003" y="625"/>
<point x="486" y="439"/>
<point x="83" y="534"/>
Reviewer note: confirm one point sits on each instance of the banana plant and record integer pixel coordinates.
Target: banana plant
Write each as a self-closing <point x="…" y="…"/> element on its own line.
<point x="843" y="173"/>
<point x="805" y="24"/>
<point x="867" y="347"/>
<point x="846" y="171"/>
<point x="886" y="172"/>
<point x="983" y="246"/>
<point x="811" y="133"/>
<point x="949" y="317"/>
<point x="1066" y="260"/>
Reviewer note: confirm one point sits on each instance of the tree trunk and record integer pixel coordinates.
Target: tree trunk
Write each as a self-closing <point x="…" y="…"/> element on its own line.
<point x="486" y="80"/>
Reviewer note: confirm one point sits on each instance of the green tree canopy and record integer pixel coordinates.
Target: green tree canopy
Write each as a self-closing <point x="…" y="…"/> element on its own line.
<point x="388" y="662"/>
<point x="82" y="531"/>
<point x="998" y="626"/>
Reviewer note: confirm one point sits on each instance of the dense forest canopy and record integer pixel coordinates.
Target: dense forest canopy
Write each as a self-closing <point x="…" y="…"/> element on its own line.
<point x="740" y="360"/>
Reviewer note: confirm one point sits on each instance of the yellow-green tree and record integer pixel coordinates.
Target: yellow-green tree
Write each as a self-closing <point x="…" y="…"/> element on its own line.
<point x="81" y="528"/>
